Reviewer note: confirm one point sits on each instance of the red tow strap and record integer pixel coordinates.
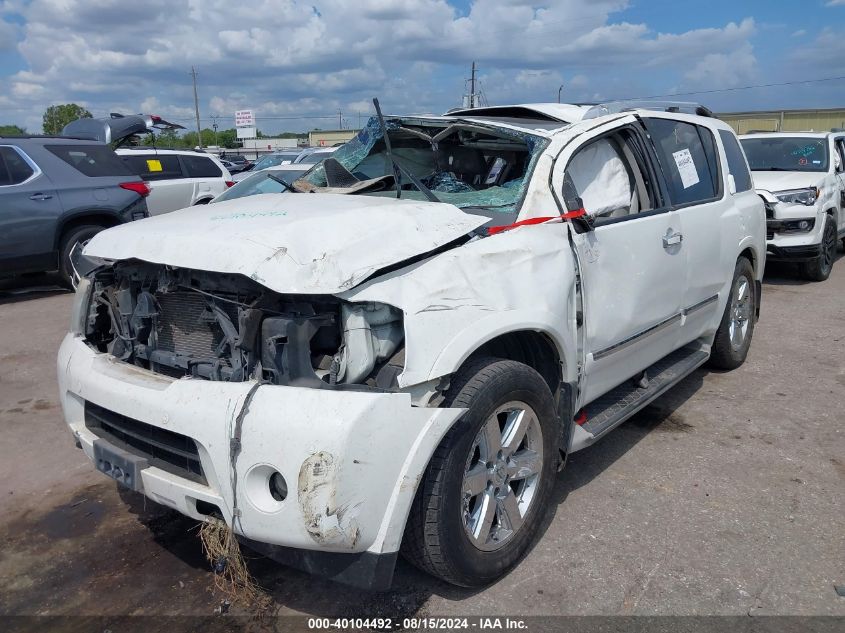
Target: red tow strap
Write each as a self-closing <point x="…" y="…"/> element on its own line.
<point x="581" y="418"/>
<point x="493" y="230"/>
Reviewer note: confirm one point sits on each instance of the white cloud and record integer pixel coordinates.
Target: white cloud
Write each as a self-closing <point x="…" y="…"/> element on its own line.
<point x="835" y="3"/>
<point x="288" y="58"/>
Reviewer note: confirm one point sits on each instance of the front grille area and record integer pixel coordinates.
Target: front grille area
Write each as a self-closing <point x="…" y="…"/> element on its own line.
<point x="185" y="326"/>
<point x="172" y="452"/>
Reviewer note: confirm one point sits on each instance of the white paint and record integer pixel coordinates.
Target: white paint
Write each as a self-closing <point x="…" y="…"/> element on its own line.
<point x="292" y="243"/>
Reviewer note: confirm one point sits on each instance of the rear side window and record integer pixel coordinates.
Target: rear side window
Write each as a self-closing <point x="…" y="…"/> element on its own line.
<point x="200" y="167"/>
<point x="687" y="154"/>
<point x="154" y="166"/>
<point x="91" y="160"/>
<point x="13" y="168"/>
<point x="737" y="167"/>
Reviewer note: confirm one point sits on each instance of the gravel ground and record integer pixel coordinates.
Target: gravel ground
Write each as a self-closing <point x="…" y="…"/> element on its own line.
<point x="723" y="497"/>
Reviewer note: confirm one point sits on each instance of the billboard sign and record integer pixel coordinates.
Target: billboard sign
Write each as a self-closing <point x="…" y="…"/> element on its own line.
<point x="246" y="132"/>
<point x="244" y="118"/>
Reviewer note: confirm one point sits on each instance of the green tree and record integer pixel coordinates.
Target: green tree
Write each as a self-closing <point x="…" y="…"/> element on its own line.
<point x="58" y="116"/>
<point x="12" y="130"/>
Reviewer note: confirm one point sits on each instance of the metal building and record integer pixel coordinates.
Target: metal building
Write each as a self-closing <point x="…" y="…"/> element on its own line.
<point x="822" y="120"/>
<point x="329" y="138"/>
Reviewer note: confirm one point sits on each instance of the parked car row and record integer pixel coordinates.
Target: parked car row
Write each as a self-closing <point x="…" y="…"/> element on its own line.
<point x="401" y="360"/>
<point x="307" y="156"/>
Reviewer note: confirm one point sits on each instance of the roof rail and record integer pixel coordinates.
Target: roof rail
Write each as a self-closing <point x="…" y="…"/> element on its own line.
<point x="615" y="107"/>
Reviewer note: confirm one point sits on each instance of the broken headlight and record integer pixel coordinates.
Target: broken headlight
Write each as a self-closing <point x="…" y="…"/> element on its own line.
<point x="79" y="312"/>
<point x="372" y="335"/>
<point x="807" y="196"/>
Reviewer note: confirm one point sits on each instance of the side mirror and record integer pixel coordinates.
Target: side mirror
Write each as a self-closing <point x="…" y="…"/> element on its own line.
<point x="586" y="222"/>
<point x="731" y="184"/>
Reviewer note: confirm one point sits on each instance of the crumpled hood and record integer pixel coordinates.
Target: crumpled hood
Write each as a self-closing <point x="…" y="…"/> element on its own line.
<point x="290" y="243"/>
<point x="783" y="180"/>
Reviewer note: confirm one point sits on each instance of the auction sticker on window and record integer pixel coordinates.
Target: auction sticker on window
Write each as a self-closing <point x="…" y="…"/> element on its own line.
<point x="686" y="168"/>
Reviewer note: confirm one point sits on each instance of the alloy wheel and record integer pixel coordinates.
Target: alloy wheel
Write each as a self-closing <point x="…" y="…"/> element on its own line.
<point x="502" y="475"/>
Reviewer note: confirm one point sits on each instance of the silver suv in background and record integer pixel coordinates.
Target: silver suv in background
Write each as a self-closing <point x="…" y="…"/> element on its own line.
<point x="800" y="175"/>
<point x="58" y="192"/>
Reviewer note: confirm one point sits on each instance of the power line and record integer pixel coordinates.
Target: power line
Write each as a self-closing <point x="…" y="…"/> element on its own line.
<point x="716" y="90"/>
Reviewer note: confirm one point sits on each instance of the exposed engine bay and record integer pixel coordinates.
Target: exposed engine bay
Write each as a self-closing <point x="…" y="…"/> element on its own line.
<point x="213" y="326"/>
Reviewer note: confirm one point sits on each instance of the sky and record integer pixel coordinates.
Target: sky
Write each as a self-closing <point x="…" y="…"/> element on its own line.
<point x="298" y="63"/>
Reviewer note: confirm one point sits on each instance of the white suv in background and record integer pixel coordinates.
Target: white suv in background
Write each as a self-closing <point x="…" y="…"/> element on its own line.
<point x="177" y="178"/>
<point x="800" y="175"/>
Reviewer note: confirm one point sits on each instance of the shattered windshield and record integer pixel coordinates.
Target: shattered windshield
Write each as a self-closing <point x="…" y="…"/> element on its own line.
<point x="786" y="153"/>
<point x="462" y="163"/>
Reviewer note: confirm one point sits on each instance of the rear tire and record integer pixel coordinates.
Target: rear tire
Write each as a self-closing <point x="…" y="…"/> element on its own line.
<point x="818" y="269"/>
<point x="76" y="235"/>
<point x="483" y="497"/>
<point x="733" y="338"/>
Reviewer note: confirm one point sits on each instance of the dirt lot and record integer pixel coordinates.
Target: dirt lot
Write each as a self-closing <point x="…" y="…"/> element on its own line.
<point x="723" y="497"/>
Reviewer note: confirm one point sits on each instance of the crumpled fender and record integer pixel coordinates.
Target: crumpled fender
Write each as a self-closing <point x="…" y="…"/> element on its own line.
<point x="522" y="279"/>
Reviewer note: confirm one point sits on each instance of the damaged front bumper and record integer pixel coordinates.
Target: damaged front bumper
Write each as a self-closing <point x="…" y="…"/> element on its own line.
<point x="350" y="461"/>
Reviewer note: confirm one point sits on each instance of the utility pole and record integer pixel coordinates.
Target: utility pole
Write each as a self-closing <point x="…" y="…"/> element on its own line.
<point x="339" y="120"/>
<point x="559" y="90"/>
<point x="472" y="87"/>
<point x="197" y="107"/>
<point x="214" y="126"/>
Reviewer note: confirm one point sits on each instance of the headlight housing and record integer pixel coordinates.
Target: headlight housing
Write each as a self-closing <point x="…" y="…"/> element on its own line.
<point x="806" y="196"/>
<point x="79" y="312"/>
<point x="801" y="225"/>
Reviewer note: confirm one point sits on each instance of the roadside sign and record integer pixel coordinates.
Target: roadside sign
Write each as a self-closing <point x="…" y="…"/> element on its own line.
<point x="244" y="118"/>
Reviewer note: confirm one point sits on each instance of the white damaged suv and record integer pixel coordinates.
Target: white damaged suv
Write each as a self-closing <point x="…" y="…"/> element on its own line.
<point x="399" y="353"/>
<point x="801" y="177"/>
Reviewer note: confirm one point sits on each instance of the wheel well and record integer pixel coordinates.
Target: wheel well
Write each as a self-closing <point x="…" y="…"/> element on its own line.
<point x="99" y="219"/>
<point x="534" y="349"/>
<point x="748" y="254"/>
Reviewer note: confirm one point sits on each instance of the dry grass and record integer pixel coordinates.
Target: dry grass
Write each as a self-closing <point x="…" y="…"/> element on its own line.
<point x="231" y="576"/>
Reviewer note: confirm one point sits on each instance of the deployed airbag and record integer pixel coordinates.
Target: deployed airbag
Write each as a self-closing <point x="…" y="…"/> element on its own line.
<point x="600" y="177"/>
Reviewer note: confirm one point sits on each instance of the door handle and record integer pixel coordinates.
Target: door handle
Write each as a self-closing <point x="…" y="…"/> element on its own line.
<point x="40" y="196"/>
<point x="672" y="239"/>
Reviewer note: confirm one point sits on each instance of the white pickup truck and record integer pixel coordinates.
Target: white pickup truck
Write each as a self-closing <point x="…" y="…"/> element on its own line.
<point x="801" y="175"/>
<point x="401" y="358"/>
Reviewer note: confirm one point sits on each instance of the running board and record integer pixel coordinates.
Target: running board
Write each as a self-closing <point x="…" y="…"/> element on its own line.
<point x="617" y="405"/>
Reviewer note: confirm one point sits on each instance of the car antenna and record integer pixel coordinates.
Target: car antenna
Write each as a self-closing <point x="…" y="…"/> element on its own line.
<point x="397" y="173"/>
<point x="397" y="168"/>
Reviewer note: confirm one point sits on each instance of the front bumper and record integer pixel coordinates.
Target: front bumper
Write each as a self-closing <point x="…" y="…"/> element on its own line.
<point x="351" y="460"/>
<point x="799" y="253"/>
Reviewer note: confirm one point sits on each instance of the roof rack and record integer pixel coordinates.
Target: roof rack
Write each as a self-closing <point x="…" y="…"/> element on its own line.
<point x="615" y="107"/>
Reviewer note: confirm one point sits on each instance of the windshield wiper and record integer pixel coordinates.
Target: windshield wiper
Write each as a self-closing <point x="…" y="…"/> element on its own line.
<point x="284" y="183"/>
<point x="398" y="170"/>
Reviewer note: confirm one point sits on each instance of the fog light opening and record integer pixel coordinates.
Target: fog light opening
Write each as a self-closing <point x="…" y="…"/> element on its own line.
<point x="278" y="487"/>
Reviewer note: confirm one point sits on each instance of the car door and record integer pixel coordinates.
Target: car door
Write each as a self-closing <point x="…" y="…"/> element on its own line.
<point x="632" y="266"/>
<point x="169" y="190"/>
<point x="29" y="209"/>
<point x="204" y="175"/>
<point x="708" y="214"/>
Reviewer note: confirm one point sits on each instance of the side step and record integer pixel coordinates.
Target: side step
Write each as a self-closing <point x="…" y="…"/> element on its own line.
<point x="617" y="405"/>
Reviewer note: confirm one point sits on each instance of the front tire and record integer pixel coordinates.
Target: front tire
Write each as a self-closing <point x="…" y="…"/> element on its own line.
<point x="78" y="235"/>
<point x="482" y="499"/>
<point x="818" y="269"/>
<point x="733" y="338"/>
